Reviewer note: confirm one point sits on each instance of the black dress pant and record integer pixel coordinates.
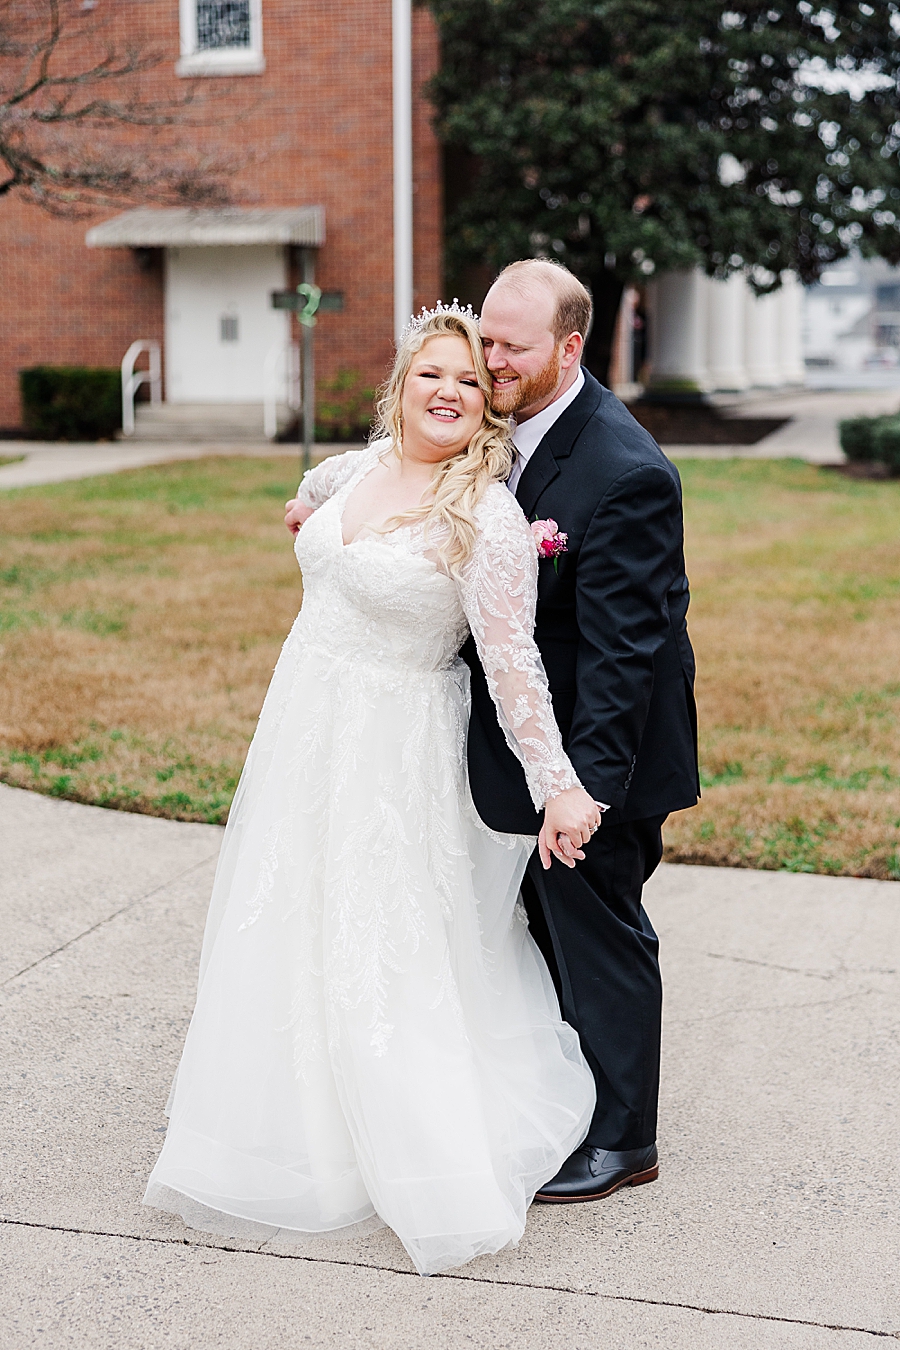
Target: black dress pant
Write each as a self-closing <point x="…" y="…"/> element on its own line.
<point x="602" y="953"/>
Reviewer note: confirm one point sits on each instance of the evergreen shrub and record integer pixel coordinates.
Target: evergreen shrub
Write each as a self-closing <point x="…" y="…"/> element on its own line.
<point x="872" y="440"/>
<point x="71" y="403"/>
<point x="887" y="443"/>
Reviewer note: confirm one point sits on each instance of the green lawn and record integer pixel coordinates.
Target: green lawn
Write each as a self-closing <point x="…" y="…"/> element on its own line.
<point x="795" y="574"/>
<point x="141" y="615"/>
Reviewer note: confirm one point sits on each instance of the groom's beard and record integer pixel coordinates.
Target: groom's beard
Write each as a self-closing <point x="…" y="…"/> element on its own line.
<point x="528" y="389"/>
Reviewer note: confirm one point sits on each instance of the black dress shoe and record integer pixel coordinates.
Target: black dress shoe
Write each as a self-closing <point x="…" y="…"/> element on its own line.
<point x="592" y="1173"/>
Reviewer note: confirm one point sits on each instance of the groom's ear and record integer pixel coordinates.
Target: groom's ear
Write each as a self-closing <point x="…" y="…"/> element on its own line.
<point x="571" y="350"/>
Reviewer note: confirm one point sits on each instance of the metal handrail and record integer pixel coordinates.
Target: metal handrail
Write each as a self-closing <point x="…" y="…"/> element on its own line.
<point x="277" y="352"/>
<point x="133" y="379"/>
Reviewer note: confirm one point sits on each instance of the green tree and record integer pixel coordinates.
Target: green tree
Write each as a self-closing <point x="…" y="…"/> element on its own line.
<point x="630" y="136"/>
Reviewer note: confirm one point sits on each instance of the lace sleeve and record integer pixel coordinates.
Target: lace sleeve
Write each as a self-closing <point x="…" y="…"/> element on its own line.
<point x="498" y="589"/>
<point x="322" y="482"/>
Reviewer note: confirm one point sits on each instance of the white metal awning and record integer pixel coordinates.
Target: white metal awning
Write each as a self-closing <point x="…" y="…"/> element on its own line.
<point x="180" y="227"/>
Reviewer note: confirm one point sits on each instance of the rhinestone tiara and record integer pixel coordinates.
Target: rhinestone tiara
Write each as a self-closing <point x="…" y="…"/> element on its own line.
<point x="419" y="320"/>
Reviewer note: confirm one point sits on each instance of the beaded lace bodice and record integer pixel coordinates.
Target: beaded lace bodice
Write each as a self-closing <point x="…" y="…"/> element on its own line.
<point x="382" y="599"/>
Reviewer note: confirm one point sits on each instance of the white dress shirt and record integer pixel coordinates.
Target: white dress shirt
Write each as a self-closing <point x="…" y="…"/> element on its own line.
<point x="527" y="436"/>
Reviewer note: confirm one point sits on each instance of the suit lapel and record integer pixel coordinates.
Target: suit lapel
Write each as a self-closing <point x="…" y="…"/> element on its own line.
<point x="537" y="475"/>
<point x="544" y="465"/>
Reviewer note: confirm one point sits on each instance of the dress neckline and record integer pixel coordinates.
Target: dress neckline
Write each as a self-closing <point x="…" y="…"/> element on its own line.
<point x="374" y="536"/>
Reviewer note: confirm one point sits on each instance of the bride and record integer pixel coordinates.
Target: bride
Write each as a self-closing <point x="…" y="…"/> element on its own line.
<point x="376" y="1037"/>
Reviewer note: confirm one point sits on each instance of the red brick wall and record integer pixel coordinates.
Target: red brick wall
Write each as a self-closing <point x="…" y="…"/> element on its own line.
<point x="315" y="128"/>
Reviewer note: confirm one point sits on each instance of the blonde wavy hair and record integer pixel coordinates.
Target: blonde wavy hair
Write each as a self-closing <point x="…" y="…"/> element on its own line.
<point x="461" y="480"/>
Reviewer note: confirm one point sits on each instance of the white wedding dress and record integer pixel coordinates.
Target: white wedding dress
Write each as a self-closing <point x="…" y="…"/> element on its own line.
<point x="376" y="1036"/>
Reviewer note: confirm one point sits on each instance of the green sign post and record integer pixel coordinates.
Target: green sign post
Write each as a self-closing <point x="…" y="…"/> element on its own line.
<point x="306" y="302"/>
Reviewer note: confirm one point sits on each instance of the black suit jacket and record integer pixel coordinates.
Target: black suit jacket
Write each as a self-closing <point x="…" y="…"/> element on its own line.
<point x="611" y="624"/>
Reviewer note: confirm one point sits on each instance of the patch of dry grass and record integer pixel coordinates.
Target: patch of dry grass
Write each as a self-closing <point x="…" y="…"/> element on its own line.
<point x="141" y="615"/>
<point x="795" y="573"/>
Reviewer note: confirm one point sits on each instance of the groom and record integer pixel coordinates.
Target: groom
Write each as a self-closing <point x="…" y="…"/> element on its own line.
<point x="612" y="633"/>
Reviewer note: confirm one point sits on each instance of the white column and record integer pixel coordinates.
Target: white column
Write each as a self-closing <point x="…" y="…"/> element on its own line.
<point x="725" y="334"/>
<point x="678" y="312"/>
<point x="790" y="329"/>
<point x="621" y="370"/>
<point x="761" y="337"/>
<point x="401" y="34"/>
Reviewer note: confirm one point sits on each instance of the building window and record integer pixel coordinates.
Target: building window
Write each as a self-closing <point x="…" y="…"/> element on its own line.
<point x="222" y="24"/>
<point x="228" y="328"/>
<point x="221" y="37"/>
<point x="888" y="297"/>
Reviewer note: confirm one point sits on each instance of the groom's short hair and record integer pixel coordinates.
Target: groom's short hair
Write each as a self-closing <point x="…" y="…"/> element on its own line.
<point x="574" y="309"/>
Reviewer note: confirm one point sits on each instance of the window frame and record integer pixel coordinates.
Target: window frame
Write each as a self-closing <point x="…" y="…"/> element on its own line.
<point x="219" y="60"/>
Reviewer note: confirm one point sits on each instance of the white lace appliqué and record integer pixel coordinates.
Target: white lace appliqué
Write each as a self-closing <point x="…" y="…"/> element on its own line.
<point x="320" y="483"/>
<point x="498" y="589"/>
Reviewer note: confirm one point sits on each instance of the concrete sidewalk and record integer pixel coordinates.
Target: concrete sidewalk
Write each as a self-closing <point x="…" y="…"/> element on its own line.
<point x="61" y="462"/>
<point x="812" y="432"/>
<point x="775" y="1221"/>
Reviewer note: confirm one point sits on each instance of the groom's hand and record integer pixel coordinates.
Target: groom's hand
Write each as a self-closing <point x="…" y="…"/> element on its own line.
<point x="570" y="818"/>
<point x="557" y="846"/>
<point x="296" y="513"/>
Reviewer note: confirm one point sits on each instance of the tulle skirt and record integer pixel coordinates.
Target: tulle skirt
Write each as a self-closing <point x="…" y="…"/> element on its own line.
<point x="376" y="1038"/>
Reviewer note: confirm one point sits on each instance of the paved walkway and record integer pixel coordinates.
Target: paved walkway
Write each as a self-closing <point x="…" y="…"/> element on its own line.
<point x="60" y="462"/>
<point x="811" y="435"/>
<point x="775" y="1222"/>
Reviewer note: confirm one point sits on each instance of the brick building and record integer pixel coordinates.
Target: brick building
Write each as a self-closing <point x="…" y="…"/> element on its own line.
<point x="297" y="96"/>
<point x="303" y="108"/>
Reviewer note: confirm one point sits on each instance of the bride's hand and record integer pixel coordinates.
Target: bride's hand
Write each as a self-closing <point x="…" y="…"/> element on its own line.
<point x="570" y="818"/>
<point x="296" y="513"/>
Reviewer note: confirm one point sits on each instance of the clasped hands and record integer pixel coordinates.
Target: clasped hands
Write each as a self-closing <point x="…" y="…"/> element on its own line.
<point x="570" y="818"/>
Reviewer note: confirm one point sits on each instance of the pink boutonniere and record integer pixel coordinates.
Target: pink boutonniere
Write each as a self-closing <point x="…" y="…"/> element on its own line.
<point x="550" y="540"/>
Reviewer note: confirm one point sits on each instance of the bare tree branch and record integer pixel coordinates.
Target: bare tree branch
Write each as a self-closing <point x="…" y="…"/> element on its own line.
<point x="64" y="93"/>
